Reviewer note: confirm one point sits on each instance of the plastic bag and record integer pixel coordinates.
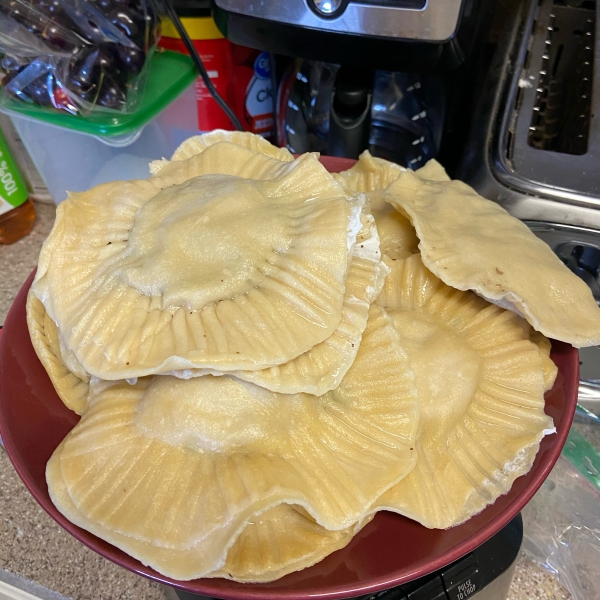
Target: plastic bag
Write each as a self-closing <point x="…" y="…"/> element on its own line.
<point x="77" y="55"/>
<point x="562" y="521"/>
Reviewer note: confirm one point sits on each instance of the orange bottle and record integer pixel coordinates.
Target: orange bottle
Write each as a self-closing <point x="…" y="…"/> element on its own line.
<point x="17" y="213"/>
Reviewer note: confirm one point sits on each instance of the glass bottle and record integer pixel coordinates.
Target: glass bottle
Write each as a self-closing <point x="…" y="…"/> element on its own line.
<point x="17" y="213"/>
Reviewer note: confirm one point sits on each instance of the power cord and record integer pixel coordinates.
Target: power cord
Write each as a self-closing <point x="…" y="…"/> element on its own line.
<point x="185" y="38"/>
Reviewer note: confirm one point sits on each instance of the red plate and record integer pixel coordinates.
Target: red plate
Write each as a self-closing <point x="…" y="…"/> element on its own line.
<point x="389" y="551"/>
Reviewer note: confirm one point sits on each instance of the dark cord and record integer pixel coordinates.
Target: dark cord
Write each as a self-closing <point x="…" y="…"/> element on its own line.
<point x="172" y="14"/>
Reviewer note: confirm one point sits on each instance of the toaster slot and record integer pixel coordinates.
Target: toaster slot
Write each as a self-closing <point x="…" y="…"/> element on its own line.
<point x="560" y="121"/>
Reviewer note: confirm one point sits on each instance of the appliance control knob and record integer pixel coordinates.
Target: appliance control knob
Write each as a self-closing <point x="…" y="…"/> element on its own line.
<point x="328" y="8"/>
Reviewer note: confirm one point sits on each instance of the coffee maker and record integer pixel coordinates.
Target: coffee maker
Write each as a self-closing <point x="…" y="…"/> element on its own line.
<point x="396" y="35"/>
<point x="393" y="76"/>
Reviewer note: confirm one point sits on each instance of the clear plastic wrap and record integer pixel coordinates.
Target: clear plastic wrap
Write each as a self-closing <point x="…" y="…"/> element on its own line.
<point x="77" y="55"/>
<point x="562" y="521"/>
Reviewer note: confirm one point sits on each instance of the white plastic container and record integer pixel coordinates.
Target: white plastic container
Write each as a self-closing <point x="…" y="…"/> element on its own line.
<point x="71" y="161"/>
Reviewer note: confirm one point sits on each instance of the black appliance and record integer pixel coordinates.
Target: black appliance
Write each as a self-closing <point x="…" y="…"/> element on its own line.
<point x="397" y="35"/>
<point x="382" y="48"/>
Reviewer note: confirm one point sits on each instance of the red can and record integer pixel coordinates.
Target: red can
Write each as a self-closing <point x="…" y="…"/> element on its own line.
<point x="241" y="75"/>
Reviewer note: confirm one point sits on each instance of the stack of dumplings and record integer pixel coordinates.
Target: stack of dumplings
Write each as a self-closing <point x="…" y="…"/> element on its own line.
<point x="264" y="355"/>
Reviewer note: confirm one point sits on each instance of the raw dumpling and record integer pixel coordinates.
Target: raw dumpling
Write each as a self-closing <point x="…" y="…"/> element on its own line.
<point x="471" y="243"/>
<point x="391" y="298"/>
<point x="71" y="384"/>
<point x="197" y="144"/>
<point x="322" y="368"/>
<point x="216" y="272"/>
<point x="433" y="171"/>
<point x="373" y="176"/>
<point x="171" y="470"/>
<point x="398" y="237"/>
<point x="279" y="541"/>
<point x="481" y="392"/>
<point x="370" y="175"/>
<point x="223" y="158"/>
<point x="544" y="346"/>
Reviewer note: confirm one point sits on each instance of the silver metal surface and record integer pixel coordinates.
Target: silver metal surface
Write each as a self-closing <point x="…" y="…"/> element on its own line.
<point x="487" y="165"/>
<point x="436" y="22"/>
<point x="565" y="240"/>
<point x="568" y="177"/>
<point x="561" y="180"/>
<point x="589" y="380"/>
<point x="556" y="234"/>
<point x="589" y="393"/>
